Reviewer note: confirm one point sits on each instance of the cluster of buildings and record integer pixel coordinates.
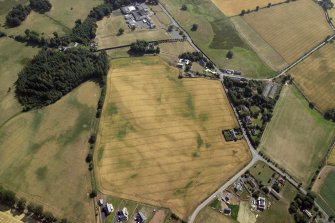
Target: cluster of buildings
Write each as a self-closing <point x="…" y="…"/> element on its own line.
<point x="138" y="16"/>
<point x="122" y="214"/>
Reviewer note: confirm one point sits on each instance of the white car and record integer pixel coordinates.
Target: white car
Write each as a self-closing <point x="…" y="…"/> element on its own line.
<point x="100" y="202"/>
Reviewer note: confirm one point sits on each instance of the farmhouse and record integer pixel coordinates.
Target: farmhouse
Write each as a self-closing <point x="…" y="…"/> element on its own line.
<point x="128" y="9"/>
<point x="261" y="203"/>
<point x="108" y="208"/>
<point x="138" y="15"/>
<point x="123" y="214"/>
<point x="140" y="217"/>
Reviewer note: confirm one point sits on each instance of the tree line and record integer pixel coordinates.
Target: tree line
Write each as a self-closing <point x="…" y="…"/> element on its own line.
<point x="9" y="199"/>
<point x="141" y="47"/>
<point x="20" y="12"/>
<point x="52" y="74"/>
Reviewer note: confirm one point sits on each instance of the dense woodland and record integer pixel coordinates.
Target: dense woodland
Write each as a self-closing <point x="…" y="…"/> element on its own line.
<point x="254" y="110"/>
<point x="52" y="74"/>
<point x="17" y="15"/>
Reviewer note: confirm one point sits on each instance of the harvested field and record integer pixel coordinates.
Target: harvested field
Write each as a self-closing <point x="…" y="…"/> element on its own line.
<point x="300" y="152"/>
<point x="7" y="217"/>
<point x="108" y="28"/>
<point x="13" y="57"/>
<point x="244" y="214"/>
<point x="216" y="35"/>
<point x="259" y="45"/>
<point x="160" y="138"/>
<point x="39" y="148"/>
<point x="315" y="77"/>
<point x="208" y="215"/>
<point x="287" y="27"/>
<point x="234" y="7"/>
<point x="325" y="187"/>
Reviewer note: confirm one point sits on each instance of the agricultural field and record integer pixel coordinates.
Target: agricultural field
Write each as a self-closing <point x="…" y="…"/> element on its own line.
<point x="234" y="7"/>
<point x="66" y="12"/>
<point x="271" y="57"/>
<point x="42" y="24"/>
<point x="216" y="35"/>
<point x="7" y="217"/>
<point x="209" y="215"/>
<point x="13" y="57"/>
<point x="299" y="152"/>
<point x="38" y="148"/>
<point x="108" y="28"/>
<point x="325" y="187"/>
<point x="158" y="133"/>
<point x="171" y="51"/>
<point x="315" y="77"/>
<point x="331" y="157"/>
<point x="286" y="27"/>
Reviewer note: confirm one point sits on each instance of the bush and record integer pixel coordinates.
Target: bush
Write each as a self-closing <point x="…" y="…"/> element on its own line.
<point x="183" y="7"/>
<point x="2" y="34"/>
<point x="194" y="27"/>
<point x="89" y="158"/>
<point x="41" y="6"/>
<point x="21" y="205"/>
<point x="330" y="115"/>
<point x="93" y="193"/>
<point x="17" y="15"/>
<point x="230" y="54"/>
<point x="7" y="197"/>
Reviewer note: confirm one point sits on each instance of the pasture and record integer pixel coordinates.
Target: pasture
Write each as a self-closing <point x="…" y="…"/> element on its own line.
<point x="315" y="77"/>
<point x="209" y="215"/>
<point x="171" y="51"/>
<point x="13" y="57"/>
<point x="43" y="154"/>
<point x="326" y="190"/>
<point x="287" y="27"/>
<point x="160" y="138"/>
<point x="283" y="140"/>
<point x="66" y="12"/>
<point x="40" y="23"/>
<point x="108" y="28"/>
<point x="234" y="7"/>
<point x="216" y="35"/>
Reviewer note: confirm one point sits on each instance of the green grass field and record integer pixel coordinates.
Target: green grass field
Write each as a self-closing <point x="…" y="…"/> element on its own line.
<point x="208" y="215"/>
<point x="297" y="138"/>
<point x="262" y="172"/>
<point x="13" y="57"/>
<point x="216" y="35"/>
<point x="39" y="148"/>
<point x="327" y="194"/>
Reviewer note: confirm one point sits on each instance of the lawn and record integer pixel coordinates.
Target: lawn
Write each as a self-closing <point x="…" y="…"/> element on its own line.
<point x="108" y="28"/>
<point x="209" y="215"/>
<point x="216" y="35"/>
<point x="315" y="76"/>
<point x="234" y="7"/>
<point x="297" y="138"/>
<point x="158" y="133"/>
<point x="262" y="172"/>
<point x="13" y="57"/>
<point x="43" y="154"/>
<point x="287" y="27"/>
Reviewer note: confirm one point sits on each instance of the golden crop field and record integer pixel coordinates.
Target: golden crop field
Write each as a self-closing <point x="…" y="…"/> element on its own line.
<point x="234" y="7"/>
<point x="291" y="29"/>
<point x="315" y="76"/>
<point x="160" y="138"/>
<point x="43" y="154"/>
